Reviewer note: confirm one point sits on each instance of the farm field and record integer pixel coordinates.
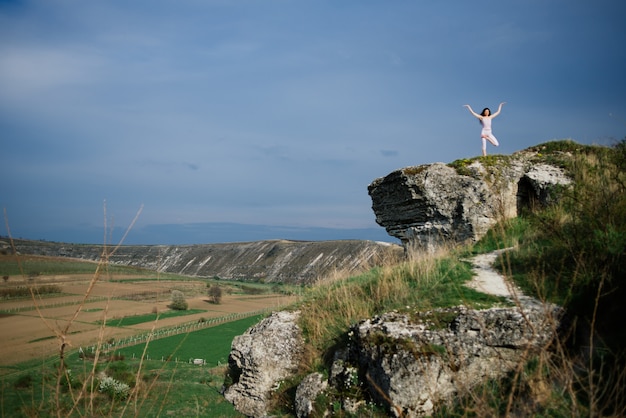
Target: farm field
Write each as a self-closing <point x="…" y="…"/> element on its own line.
<point x="32" y="328"/>
<point x="174" y="387"/>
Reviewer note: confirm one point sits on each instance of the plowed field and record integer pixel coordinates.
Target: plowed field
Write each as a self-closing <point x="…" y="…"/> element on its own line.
<point x="37" y="327"/>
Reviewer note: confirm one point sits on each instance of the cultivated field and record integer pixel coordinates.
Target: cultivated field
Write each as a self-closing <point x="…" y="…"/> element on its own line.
<point x="36" y="327"/>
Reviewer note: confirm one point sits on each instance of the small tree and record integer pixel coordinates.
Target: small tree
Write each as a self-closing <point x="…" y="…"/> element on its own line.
<point x="178" y="301"/>
<point x="215" y="294"/>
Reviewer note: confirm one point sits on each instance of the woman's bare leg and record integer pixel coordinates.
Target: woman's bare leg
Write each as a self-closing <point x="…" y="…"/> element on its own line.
<point x="491" y="139"/>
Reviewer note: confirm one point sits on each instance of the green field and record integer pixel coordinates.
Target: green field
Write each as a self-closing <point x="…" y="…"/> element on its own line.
<point x="140" y="319"/>
<point x="177" y="388"/>
<point x="211" y="344"/>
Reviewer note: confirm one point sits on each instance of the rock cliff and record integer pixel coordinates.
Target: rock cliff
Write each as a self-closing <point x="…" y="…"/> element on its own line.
<point x="430" y="204"/>
<point x="269" y="261"/>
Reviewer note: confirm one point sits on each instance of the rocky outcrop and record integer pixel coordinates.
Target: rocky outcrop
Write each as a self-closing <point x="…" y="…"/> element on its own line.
<point x="268" y="261"/>
<point x="430" y="204"/>
<point x="413" y="363"/>
<point x="259" y="359"/>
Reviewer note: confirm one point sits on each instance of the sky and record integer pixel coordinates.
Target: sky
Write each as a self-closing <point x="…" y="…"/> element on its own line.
<point x="201" y="121"/>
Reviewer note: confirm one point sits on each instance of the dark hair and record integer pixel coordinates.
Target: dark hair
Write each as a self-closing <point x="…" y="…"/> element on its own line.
<point x="483" y="112"/>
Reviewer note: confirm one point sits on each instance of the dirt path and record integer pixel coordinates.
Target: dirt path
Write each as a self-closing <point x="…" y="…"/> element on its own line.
<point x="488" y="280"/>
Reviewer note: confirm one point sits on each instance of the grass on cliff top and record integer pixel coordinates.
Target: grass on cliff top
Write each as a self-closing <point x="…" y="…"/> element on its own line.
<point x="559" y="153"/>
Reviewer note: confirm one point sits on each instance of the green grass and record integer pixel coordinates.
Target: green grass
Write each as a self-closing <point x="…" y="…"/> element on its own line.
<point x="195" y="392"/>
<point x="505" y="234"/>
<point x="433" y="281"/>
<point x="184" y="391"/>
<point x="211" y="344"/>
<point x="151" y="317"/>
<point x="462" y="166"/>
<point x="137" y="279"/>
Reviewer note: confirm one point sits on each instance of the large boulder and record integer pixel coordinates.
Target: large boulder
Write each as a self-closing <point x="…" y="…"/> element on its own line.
<point x="414" y="362"/>
<point x="431" y="204"/>
<point x="259" y="359"/>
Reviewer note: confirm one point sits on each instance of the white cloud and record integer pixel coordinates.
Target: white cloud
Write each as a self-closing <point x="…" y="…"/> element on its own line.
<point x="27" y="71"/>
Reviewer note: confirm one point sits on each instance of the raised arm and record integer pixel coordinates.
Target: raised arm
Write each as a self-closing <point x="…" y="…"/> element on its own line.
<point x="499" y="109"/>
<point x="471" y="111"/>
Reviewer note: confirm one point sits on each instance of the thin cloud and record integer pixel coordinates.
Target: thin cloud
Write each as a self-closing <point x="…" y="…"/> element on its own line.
<point x="388" y="153"/>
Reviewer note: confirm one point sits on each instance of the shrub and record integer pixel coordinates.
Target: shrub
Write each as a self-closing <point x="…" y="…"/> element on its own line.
<point x="69" y="381"/>
<point x="25" y="292"/>
<point x="178" y="301"/>
<point x="115" y="389"/>
<point x="120" y="371"/>
<point x="23" y="382"/>
<point x="215" y="294"/>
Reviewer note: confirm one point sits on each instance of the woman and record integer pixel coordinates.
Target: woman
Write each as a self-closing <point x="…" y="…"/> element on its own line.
<point x="485" y="120"/>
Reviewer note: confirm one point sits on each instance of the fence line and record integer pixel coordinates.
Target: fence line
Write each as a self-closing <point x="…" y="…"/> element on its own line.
<point x="129" y="297"/>
<point x="52" y="305"/>
<point x="174" y="330"/>
<point x="160" y="333"/>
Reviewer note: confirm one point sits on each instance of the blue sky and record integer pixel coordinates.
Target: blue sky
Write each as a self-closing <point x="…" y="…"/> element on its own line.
<point x="261" y="118"/>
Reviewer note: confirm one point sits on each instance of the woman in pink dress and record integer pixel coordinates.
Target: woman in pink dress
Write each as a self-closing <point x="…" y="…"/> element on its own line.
<point x="485" y="120"/>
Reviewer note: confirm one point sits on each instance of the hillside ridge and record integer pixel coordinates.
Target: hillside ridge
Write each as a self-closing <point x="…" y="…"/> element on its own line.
<point x="280" y="261"/>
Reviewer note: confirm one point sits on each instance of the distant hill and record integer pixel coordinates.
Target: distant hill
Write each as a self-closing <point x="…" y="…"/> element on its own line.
<point x="268" y="261"/>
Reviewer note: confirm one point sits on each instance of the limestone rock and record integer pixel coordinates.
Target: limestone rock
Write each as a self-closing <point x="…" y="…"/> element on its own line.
<point x="414" y="365"/>
<point x="538" y="185"/>
<point x="311" y="386"/>
<point x="435" y="203"/>
<point x="260" y="359"/>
